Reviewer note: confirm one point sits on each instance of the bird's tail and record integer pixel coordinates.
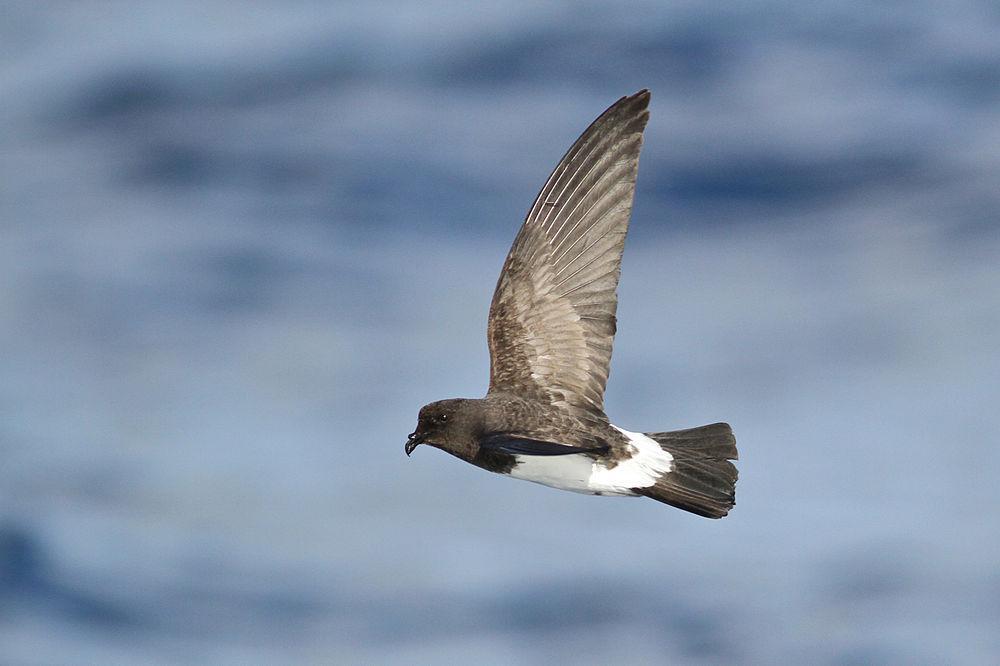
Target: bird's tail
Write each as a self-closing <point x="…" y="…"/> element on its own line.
<point x="702" y="480"/>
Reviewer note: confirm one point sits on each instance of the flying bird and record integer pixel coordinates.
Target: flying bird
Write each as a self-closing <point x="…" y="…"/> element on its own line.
<point x="551" y="327"/>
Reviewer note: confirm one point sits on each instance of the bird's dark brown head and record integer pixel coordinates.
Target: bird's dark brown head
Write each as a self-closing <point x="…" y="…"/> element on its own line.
<point x="445" y="424"/>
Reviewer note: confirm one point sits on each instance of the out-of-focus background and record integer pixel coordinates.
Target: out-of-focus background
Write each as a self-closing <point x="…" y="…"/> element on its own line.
<point x="242" y="243"/>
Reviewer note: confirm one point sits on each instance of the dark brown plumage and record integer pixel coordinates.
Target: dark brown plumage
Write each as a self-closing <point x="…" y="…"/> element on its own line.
<point x="551" y="328"/>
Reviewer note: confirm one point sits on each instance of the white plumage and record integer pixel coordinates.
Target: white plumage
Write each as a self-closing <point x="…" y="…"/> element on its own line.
<point x="582" y="474"/>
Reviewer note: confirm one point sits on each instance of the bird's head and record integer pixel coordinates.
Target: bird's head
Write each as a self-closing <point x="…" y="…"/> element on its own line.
<point x="441" y="424"/>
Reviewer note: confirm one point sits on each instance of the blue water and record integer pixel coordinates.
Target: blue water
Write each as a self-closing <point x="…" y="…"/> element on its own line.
<point x="241" y="245"/>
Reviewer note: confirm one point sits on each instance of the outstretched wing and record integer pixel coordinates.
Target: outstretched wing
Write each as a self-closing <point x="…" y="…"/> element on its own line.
<point x="552" y="320"/>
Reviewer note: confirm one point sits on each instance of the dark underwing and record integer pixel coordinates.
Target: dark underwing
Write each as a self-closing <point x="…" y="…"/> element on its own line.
<point x="533" y="447"/>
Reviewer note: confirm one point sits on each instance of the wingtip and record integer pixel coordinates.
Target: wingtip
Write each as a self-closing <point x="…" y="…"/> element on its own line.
<point x="642" y="96"/>
<point x="636" y="104"/>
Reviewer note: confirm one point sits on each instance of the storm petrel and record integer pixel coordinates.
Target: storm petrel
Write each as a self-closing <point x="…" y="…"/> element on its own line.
<point x="551" y="327"/>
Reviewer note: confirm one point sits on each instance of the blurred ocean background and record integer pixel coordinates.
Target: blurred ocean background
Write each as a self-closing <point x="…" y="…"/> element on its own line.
<point x="241" y="244"/>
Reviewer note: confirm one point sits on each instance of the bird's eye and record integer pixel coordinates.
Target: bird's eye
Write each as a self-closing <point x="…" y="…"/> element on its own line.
<point x="444" y="417"/>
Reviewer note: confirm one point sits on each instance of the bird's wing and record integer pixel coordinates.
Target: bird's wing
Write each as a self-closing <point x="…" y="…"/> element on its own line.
<point x="552" y="320"/>
<point x="516" y="445"/>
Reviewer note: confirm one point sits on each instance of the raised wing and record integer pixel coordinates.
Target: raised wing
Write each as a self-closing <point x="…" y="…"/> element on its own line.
<point x="552" y="320"/>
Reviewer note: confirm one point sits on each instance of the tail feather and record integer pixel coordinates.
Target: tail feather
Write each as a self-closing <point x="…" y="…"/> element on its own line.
<point x="702" y="480"/>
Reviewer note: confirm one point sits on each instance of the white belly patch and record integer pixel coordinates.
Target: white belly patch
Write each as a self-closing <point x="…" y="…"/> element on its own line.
<point x="582" y="474"/>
